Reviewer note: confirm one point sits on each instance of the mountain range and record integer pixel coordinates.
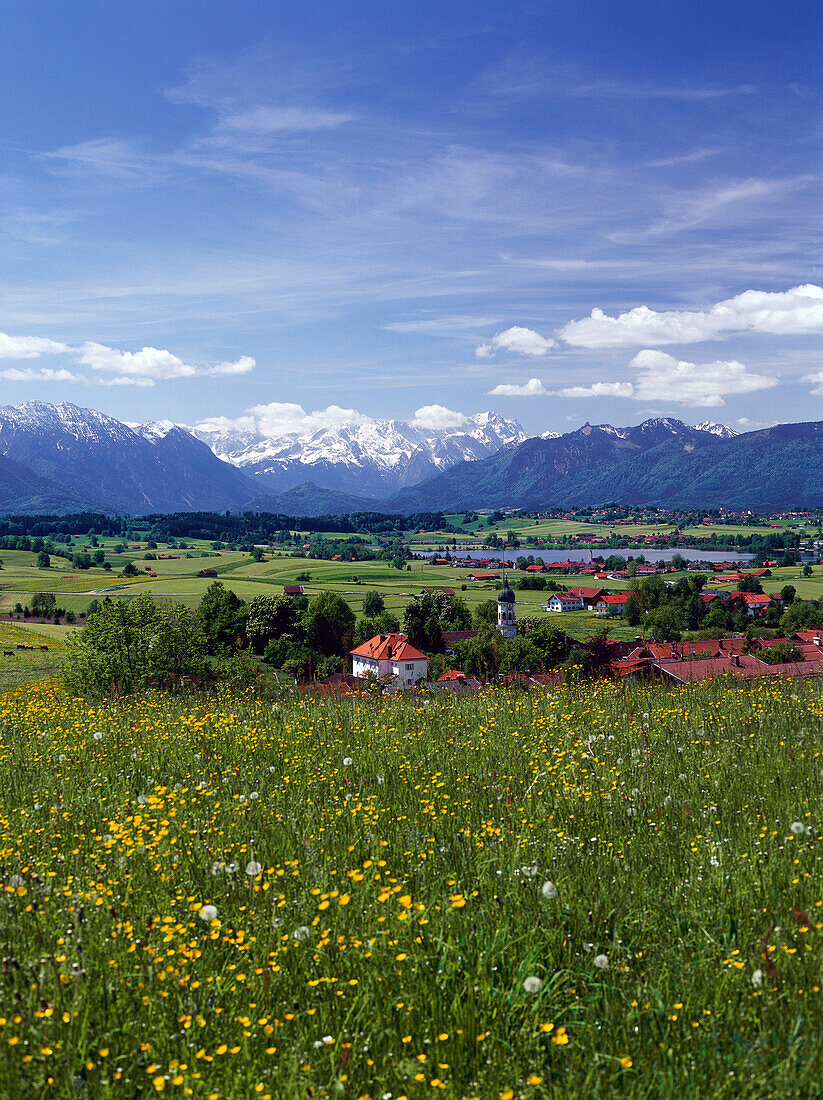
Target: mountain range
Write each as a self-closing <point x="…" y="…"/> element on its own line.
<point x="62" y="458"/>
<point x="372" y="459"/>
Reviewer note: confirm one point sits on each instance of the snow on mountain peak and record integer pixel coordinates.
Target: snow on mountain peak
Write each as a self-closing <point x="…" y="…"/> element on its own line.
<point x="723" y="431"/>
<point x="375" y="455"/>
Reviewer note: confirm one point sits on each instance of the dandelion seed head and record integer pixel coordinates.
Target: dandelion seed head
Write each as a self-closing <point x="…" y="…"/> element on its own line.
<point x="548" y="890"/>
<point x="208" y="913"/>
<point x="532" y="984"/>
<point x="601" y="961"/>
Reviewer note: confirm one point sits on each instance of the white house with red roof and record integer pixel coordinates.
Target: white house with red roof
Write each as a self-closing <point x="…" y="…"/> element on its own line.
<point x="756" y="602"/>
<point x="390" y="655"/>
<point x="611" y="603"/>
<point x="565" y="601"/>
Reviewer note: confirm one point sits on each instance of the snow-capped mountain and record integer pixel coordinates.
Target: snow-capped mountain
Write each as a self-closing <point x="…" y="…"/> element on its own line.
<point x="372" y="458"/>
<point x="85" y="454"/>
<point x="723" y="431"/>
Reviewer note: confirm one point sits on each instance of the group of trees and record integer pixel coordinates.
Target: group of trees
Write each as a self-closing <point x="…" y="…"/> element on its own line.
<point x="290" y="632"/>
<point x="666" y="612"/>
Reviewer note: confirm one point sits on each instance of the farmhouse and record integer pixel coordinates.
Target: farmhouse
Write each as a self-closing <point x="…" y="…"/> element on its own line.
<point x="390" y="655"/>
<point x="612" y="603"/>
<point x="207" y="573"/>
<point x="755" y="602"/>
<point x="565" y="601"/>
<point x="292" y="589"/>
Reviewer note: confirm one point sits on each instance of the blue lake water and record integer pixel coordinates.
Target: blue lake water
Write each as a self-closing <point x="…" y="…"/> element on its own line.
<point x="650" y="555"/>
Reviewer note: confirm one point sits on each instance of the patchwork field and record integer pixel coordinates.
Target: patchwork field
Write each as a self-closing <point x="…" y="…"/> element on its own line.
<point x="590" y="892"/>
<point x="177" y="581"/>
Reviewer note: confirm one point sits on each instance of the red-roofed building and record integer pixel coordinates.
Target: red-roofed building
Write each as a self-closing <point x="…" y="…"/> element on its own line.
<point x="755" y="602"/>
<point x="612" y="603"/>
<point x="484" y="576"/>
<point x="589" y="596"/>
<point x="390" y="655"/>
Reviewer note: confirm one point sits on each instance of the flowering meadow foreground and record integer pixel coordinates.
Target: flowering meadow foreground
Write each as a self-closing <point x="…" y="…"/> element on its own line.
<point x="595" y="891"/>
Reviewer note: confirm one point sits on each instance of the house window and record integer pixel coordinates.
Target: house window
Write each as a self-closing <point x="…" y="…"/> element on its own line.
<point x="409" y="668"/>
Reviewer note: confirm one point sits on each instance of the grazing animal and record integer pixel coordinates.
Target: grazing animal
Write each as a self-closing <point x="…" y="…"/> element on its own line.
<point x="44" y="649"/>
<point x="8" y="652"/>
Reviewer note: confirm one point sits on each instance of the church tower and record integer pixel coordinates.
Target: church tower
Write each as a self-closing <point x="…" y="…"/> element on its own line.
<point x="506" y="622"/>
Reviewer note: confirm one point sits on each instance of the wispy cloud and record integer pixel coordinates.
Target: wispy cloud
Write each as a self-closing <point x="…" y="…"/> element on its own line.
<point x="44" y="374"/>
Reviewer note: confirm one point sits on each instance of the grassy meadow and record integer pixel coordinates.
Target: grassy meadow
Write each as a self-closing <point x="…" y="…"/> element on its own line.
<point x="598" y="891"/>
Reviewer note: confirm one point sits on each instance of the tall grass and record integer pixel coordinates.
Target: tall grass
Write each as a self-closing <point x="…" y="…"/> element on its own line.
<point x="594" y="892"/>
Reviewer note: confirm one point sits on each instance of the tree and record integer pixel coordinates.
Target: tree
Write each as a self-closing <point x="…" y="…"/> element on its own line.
<point x="788" y="593"/>
<point x="129" y="569"/>
<point x="666" y="623"/>
<point x="594" y="655"/>
<point x="631" y="612"/>
<point x="784" y="652"/>
<point x="485" y="612"/>
<point x="272" y="617"/>
<point x="43" y="560"/>
<point x="128" y="645"/>
<point x="551" y="644"/>
<point x="329" y="624"/>
<point x="800" y="615"/>
<point x="385" y="623"/>
<point x="257" y="554"/>
<point x="43" y="604"/>
<point x="373" y="604"/>
<point x="221" y="616"/>
<point x="807" y="570"/>
<point x="749" y="583"/>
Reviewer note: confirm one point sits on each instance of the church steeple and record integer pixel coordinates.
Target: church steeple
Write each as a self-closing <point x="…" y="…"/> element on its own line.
<point x="506" y="622"/>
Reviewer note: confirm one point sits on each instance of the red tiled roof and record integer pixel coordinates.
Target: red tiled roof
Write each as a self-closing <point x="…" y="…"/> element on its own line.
<point x="753" y="599"/>
<point x="615" y="597"/>
<point x="453" y="674"/>
<point x="384" y="647"/>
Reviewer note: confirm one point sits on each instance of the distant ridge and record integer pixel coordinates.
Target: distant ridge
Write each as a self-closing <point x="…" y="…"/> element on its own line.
<point x="63" y="458"/>
<point x="662" y="462"/>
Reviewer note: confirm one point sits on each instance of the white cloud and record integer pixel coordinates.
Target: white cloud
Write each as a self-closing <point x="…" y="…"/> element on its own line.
<point x="29" y="347"/>
<point x="599" y="389"/>
<point x="152" y="363"/>
<point x="661" y="377"/>
<point x="46" y="374"/>
<point x="436" y="417"/>
<point x="147" y="363"/>
<point x="816" y="380"/>
<point x="284" y="418"/>
<point x="794" y="312"/>
<point x="524" y="341"/>
<point x="240" y="366"/>
<point x="227" y="423"/>
<point x="533" y="388"/>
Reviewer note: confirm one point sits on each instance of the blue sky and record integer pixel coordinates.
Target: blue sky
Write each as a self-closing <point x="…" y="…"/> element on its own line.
<point x="329" y="211"/>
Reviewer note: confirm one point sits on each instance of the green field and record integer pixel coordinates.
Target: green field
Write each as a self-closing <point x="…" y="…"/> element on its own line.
<point x="177" y="581"/>
<point x="588" y="892"/>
